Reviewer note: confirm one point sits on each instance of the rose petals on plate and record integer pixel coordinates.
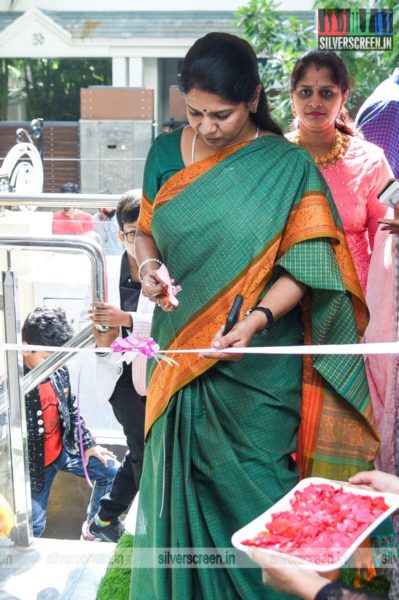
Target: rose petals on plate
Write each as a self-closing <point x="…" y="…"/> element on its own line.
<point x="321" y="517"/>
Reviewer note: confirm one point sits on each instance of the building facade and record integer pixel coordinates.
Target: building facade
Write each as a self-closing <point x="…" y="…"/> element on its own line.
<point x="145" y="47"/>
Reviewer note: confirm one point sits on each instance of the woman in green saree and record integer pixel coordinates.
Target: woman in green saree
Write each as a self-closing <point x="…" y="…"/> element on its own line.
<point x="231" y="207"/>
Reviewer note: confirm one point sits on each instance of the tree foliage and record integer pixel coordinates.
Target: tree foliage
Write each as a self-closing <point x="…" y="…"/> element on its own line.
<point x="280" y="39"/>
<point x="3" y="89"/>
<point x="52" y="86"/>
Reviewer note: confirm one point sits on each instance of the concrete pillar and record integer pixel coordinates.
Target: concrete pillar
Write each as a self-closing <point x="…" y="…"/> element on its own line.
<point x="120" y="71"/>
<point x="136" y="72"/>
<point x="151" y="82"/>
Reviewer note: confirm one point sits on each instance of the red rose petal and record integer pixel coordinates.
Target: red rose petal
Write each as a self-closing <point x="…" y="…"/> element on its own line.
<point x="321" y="518"/>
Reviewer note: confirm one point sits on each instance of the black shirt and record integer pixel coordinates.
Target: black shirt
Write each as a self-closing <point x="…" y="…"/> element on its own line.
<point x="129" y="292"/>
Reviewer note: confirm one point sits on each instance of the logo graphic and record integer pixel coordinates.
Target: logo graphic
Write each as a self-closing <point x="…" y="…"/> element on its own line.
<point x="355" y="29"/>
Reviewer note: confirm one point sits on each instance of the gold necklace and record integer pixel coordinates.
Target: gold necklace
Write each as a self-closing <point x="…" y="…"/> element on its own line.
<point x="338" y="150"/>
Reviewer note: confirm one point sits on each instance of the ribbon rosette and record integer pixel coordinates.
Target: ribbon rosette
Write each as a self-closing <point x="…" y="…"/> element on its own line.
<point x="145" y="346"/>
<point x="137" y="344"/>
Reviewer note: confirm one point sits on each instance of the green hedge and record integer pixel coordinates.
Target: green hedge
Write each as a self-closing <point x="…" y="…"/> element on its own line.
<point x="115" y="585"/>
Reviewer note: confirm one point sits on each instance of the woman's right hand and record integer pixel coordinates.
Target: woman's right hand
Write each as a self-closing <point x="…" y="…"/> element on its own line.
<point x="239" y="337"/>
<point x="157" y="290"/>
<point x="152" y="286"/>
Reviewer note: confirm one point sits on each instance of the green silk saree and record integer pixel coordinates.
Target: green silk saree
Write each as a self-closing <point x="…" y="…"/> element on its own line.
<point x="220" y="435"/>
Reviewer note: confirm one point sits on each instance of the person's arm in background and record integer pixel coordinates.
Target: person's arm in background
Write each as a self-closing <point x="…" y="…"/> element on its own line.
<point x="56" y="223"/>
<point x="105" y="314"/>
<point x="308" y="584"/>
<point x="375" y="210"/>
<point x="292" y="580"/>
<point x="109" y="365"/>
<point x="135" y="322"/>
<point x="142" y="327"/>
<point x="377" y="480"/>
<point x="391" y="225"/>
<point x="88" y="222"/>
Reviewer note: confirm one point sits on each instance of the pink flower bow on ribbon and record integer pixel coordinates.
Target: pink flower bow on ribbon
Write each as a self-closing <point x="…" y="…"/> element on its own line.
<point x="146" y="346"/>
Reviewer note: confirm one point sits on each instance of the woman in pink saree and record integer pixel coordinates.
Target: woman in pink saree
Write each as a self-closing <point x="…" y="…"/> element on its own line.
<point x="356" y="171"/>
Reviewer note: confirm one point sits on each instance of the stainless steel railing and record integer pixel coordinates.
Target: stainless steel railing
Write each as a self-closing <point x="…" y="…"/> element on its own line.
<point x="17" y="386"/>
<point x="65" y="243"/>
<point x="68" y="244"/>
<point x="55" y="361"/>
<point x="62" y="200"/>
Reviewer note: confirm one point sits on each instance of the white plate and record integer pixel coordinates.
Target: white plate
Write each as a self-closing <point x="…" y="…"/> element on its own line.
<point x="326" y="561"/>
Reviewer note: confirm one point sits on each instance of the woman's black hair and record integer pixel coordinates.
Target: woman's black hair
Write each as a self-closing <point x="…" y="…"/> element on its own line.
<point x="226" y="65"/>
<point x="339" y="75"/>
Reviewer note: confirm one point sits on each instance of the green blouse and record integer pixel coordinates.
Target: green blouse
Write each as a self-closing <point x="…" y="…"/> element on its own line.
<point x="164" y="160"/>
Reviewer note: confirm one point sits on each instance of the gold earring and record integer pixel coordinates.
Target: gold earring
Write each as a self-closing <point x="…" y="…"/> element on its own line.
<point x="253" y="109"/>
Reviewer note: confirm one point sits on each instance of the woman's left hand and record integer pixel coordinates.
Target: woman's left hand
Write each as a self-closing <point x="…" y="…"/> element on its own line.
<point x="239" y="337"/>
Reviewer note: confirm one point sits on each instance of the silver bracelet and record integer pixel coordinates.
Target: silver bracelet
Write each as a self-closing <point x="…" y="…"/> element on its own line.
<point x="145" y="262"/>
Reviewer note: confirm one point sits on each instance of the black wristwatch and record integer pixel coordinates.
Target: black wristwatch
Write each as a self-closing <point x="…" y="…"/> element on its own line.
<point x="265" y="311"/>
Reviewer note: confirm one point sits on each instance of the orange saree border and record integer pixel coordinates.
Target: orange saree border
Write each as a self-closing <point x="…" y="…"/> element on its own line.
<point x="305" y="224"/>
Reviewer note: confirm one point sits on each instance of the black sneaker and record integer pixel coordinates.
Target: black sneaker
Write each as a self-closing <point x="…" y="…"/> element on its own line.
<point x="92" y="532"/>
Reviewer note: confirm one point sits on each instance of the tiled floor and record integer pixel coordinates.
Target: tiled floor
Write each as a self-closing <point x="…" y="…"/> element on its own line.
<point x="53" y="570"/>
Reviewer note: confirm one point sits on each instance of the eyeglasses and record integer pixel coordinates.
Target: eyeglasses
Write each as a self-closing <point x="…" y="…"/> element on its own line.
<point x="130" y="235"/>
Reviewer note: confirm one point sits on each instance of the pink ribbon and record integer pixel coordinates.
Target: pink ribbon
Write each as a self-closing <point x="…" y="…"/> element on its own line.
<point x="148" y="346"/>
<point x="80" y="432"/>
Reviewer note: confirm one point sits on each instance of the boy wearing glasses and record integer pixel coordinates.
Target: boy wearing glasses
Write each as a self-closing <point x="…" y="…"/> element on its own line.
<point x="120" y="380"/>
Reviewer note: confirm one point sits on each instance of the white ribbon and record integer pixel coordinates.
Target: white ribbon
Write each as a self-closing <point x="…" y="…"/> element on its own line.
<point x="371" y="348"/>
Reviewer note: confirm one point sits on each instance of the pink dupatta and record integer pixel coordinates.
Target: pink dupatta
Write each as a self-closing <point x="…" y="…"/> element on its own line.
<point x="382" y="370"/>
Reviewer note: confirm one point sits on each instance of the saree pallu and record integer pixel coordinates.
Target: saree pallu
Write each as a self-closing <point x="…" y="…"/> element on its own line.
<point x="220" y="435"/>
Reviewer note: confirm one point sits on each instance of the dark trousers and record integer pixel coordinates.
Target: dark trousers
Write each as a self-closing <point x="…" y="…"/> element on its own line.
<point x="129" y="409"/>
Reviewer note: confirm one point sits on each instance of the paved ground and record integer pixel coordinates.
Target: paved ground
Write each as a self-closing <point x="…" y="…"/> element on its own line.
<point x="53" y="570"/>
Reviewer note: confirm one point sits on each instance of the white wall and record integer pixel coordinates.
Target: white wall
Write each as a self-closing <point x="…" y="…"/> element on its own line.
<point x="93" y="5"/>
